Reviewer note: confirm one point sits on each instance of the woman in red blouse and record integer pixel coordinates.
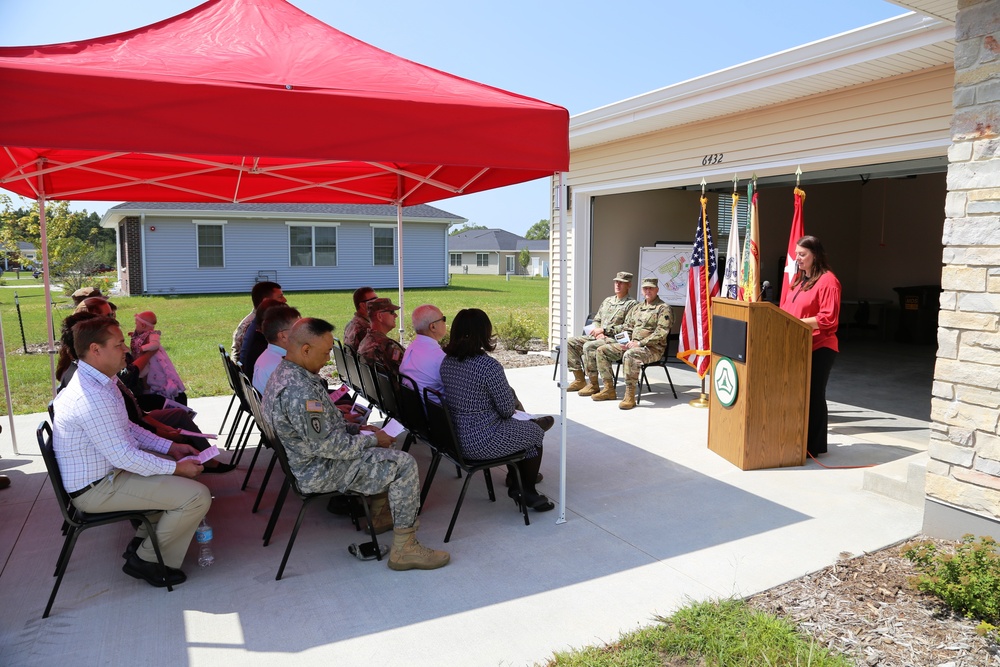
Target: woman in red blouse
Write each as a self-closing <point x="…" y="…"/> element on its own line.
<point x="814" y="297"/>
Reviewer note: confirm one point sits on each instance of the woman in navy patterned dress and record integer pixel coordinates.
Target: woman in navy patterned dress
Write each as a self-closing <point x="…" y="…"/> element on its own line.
<point x="482" y="404"/>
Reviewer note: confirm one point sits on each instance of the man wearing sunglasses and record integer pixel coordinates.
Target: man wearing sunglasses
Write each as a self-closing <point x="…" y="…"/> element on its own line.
<point x="358" y="327"/>
<point x="422" y="359"/>
<point x="377" y="346"/>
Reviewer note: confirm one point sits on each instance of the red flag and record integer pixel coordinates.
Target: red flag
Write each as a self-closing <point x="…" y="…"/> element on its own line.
<point x="703" y="284"/>
<point x="798" y="231"/>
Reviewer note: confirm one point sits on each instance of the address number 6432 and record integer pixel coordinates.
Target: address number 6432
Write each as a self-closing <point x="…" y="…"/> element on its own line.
<point x="714" y="158"/>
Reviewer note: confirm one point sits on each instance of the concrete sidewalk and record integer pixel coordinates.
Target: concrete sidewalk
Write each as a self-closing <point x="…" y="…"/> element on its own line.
<point x="654" y="520"/>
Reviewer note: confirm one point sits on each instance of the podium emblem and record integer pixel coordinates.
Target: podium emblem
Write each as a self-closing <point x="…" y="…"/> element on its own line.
<point x="725" y="381"/>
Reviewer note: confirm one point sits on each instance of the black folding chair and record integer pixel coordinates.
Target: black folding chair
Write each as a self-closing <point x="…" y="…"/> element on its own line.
<point x="344" y="368"/>
<point x="411" y="412"/>
<point x="225" y="369"/>
<point x="77" y="521"/>
<point x="446" y="445"/>
<point x="387" y="392"/>
<point x="291" y="483"/>
<point x="370" y="384"/>
<point x="661" y="363"/>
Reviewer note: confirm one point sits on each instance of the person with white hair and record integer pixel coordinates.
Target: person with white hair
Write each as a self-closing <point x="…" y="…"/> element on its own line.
<point x="423" y="356"/>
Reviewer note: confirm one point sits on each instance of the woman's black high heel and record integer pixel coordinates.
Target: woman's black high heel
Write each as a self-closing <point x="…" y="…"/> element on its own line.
<point x="535" y="501"/>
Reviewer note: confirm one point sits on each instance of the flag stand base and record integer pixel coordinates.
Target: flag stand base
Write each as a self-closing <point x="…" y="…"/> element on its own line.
<point x="700" y="402"/>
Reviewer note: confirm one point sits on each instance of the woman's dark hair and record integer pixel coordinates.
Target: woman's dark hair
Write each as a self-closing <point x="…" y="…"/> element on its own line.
<point x="67" y="354"/>
<point x="820" y="265"/>
<point x="471" y="334"/>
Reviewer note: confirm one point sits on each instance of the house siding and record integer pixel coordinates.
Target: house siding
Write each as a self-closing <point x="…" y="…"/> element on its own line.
<point x="171" y="257"/>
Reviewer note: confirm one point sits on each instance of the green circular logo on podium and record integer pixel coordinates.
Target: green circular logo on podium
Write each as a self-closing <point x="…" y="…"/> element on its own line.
<point x="725" y="381"/>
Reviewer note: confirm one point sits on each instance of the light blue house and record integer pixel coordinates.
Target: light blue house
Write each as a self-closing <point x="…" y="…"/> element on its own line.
<point x="173" y="248"/>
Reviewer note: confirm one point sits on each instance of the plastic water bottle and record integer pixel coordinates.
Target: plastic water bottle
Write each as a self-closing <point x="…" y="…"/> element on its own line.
<point x="204" y="537"/>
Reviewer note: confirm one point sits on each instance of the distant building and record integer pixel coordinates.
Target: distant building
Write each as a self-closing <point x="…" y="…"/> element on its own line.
<point x="496" y="252"/>
<point x="176" y="248"/>
<point x="27" y="252"/>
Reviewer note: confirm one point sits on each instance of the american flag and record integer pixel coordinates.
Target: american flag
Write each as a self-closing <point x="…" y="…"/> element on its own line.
<point x="703" y="284"/>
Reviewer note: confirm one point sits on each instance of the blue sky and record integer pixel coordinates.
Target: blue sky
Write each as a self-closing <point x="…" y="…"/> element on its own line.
<point x="580" y="55"/>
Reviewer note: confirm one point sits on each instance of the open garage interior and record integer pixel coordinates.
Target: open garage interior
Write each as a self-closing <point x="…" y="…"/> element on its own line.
<point x="882" y="229"/>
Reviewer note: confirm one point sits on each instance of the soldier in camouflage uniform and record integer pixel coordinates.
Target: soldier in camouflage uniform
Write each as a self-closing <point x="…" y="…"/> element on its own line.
<point x="325" y="453"/>
<point x="648" y="325"/>
<point x="359" y="325"/>
<point x="377" y="346"/>
<point x="609" y="321"/>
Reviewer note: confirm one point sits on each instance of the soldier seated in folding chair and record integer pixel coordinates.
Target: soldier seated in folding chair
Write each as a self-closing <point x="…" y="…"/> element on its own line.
<point x="325" y="453"/>
<point x="647" y="327"/>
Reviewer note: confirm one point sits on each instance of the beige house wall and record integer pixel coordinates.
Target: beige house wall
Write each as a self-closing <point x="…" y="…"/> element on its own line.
<point x="901" y="118"/>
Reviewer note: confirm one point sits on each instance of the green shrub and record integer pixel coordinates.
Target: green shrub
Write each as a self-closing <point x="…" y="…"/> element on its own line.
<point x="516" y="332"/>
<point x="968" y="580"/>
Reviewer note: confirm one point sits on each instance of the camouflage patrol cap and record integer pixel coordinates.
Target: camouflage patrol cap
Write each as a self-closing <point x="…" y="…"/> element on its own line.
<point x="381" y="305"/>
<point x="650" y="282"/>
<point x="85" y="293"/>
<point x="623" y="277"/>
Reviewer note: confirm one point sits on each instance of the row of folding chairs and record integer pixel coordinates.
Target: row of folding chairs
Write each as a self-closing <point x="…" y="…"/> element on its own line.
<point x="425" y="417"/>
<point x="247" y="401"/>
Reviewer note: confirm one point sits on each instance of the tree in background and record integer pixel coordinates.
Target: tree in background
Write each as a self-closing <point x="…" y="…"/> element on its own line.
<point x="538" y="231"/>
<point x="524" y="259"/>
<point x="466" y="227"/>
<point x="78" y="244"/>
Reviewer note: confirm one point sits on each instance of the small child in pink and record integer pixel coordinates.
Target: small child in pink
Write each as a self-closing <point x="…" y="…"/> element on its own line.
<point x="159" y="374"/>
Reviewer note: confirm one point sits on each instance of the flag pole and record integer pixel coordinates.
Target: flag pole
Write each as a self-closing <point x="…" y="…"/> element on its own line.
<point x="702" y="400"/>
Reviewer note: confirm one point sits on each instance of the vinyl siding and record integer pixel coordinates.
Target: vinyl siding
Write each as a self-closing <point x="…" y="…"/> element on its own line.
<point x="171" y="257"/>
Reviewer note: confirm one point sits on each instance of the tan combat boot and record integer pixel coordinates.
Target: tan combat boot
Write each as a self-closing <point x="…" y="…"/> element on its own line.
<point x="381" y="515"/>
<point x="592" y="386"/>
<point x="629" y="401"/>
<point x="408" y="554"/>
<point x="578" y="383"/>
<point x="608" y="393"/>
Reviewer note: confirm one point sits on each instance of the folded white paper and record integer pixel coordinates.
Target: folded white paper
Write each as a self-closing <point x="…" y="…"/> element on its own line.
<point x="520" y="415"/>
<point x="195" y="434"/>
<point x="623" y="338"/>
<point x="393" y="428"/>
<point x="209" y="453"/>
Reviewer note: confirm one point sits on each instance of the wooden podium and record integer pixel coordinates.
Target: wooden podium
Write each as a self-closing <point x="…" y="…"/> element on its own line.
<point x="765" y="426"/>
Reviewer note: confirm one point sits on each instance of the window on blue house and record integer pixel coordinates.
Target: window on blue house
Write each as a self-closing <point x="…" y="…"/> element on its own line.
<point x="312" y="245"/>
<point x="384" y="247"/>
<point x="211" y="250"/>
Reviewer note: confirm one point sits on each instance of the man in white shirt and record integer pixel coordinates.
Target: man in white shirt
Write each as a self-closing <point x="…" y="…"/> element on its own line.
<point x="423" y="356"/>
<point x="276" y="326"/>
<point x="110" y="464"/>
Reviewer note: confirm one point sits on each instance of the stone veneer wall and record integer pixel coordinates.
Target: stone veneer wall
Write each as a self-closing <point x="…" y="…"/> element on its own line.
<point x="963" y="473"/>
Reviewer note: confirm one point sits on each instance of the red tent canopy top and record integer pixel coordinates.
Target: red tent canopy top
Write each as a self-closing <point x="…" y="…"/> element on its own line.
<point x="257" y="101"/>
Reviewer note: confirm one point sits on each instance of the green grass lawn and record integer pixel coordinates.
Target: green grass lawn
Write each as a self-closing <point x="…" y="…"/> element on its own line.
<point x="193" y="326"/>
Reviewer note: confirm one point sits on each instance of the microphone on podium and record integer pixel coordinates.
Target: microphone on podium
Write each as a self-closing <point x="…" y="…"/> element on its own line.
<point x="765" y="290"/>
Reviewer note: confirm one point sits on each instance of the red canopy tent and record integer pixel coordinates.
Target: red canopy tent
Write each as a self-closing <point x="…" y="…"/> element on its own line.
<point x="257" y="101"/>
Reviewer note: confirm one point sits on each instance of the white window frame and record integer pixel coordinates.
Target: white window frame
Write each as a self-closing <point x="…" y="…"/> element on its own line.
<point x="481" y="255"/>
<point x="197" y="241"/>
<point x="511" y="264"/>
<point x="312" y="238"/>
<point x="374" y="226"/>
<point x="454" y="259"/>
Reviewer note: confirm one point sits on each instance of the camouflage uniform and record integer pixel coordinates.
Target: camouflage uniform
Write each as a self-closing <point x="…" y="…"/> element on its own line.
<point x="327" y="454"/>
<point x="378" y="347"/>
<point x="610" y="317"/>
<point x="647" y="323"/>
<point x="356" y="330"/>
<point x="238" y="335"/>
